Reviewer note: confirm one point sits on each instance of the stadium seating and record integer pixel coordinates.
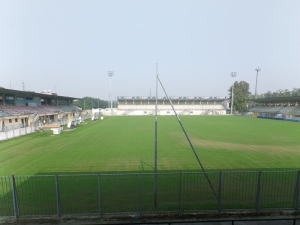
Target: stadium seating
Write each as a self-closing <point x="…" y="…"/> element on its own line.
<point x="165" y="109"/>
<point x="266" y="109"/>
<point x="9" y="111"/>
<point x="66" y="108"/>
<point x="275" y="111"/>
<point x="13" y="110"/>
<point x="287" y="109"/>
<point x="295" y="111"/>
<point x="4" y="114"/>
<point x="182" y="105"/>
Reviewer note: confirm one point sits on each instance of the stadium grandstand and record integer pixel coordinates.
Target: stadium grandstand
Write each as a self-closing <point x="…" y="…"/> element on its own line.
<point x="280" y="107"/>
<point x="183" y="106"/>
<point x="27" y="108"/>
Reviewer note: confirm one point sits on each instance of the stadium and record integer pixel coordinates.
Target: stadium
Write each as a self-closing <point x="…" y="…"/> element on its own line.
<point x="55" y="155"/>
<point x="280" y="107"/>
<point x="23" y="109"/>
<point x="182" y="105"/>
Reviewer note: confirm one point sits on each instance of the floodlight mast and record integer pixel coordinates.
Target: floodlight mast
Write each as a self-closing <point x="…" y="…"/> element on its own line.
<point x="233" y="74"/>
<point x="257" y="70"/>
<point x="110" y="74"/>
<point x="155" y="142"/>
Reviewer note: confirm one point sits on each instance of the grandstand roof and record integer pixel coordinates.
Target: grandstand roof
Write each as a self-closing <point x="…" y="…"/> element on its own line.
<point x="276" y="100"/>
<point x="32" y="94"/>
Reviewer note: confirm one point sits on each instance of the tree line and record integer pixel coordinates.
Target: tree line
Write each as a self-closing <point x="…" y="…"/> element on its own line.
<point x="279" y="93"/>
<point x="242" y="95"/>
<point x="89" y="103"/>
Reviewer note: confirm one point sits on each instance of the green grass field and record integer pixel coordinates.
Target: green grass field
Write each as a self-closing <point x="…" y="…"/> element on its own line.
<point x="126" y="144"/>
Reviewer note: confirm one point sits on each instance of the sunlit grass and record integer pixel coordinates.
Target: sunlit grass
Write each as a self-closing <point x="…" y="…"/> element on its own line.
<point x="126" y="144"/>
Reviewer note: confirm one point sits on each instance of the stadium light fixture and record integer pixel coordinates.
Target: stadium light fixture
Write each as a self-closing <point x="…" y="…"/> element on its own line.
<point x="110" y="74"/>
<point x="257" y="70"/>
<point x="233" y="75"/>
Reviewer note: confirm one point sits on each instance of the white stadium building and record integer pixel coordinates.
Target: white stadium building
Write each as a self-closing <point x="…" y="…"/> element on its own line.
<point x="183" y="105"/>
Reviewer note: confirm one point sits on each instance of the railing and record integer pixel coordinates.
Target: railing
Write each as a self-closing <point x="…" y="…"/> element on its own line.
<point x="133" y="193"/>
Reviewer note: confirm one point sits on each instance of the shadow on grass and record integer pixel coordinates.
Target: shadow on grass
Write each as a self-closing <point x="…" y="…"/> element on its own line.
<point x="144" y="164"/>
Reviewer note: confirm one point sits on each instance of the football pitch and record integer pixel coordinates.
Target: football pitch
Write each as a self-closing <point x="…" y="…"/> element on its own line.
<point x="126" y="144"/>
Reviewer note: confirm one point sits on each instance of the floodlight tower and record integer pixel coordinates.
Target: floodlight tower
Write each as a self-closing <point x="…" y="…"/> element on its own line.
<point x="110" y="74"/>
<point x="233" y="75"/>
<point x="257" y="70"/>
<point x="155" y="141"/>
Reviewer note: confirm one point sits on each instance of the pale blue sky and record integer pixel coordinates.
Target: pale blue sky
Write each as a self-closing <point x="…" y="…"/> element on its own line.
<point x="71" y="45"/>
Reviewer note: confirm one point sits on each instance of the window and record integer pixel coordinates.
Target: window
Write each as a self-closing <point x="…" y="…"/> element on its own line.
<point x="16" y="119"/>
<point x="9" y="121"/>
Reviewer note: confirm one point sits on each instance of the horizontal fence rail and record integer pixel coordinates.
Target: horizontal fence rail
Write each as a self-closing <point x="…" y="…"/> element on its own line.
<point x="133" y="193"/>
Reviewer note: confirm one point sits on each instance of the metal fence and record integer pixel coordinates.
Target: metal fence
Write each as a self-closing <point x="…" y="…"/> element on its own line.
<point x="133" y="193"/>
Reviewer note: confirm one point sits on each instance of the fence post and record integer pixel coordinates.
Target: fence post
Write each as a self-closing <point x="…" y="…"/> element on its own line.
<point x="258" y="193"/>
<point x="180" y="193"/>
<point x="220" y="192"/>
<point x="57" y="197"/>
<point x="297" y="192"/>
<point x="99" y="197"/>
<point x="15" y="198"/>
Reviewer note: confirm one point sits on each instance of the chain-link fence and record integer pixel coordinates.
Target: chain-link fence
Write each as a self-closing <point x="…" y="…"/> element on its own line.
<point x="133" y="193"/>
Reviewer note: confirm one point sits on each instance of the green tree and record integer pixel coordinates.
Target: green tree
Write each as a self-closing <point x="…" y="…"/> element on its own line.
<point x="275" y="94"/>
<point x="287" y="93"/>
<point x="240" y="95"/>
<point x="279" y="93"/>
<point x="89" y="103"/>
<point x="295" y="92"/>
<point x="282" y="93"/>
<point x="268" y="94"/>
